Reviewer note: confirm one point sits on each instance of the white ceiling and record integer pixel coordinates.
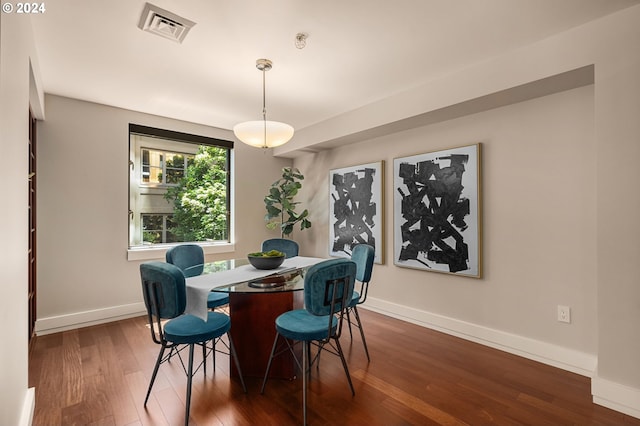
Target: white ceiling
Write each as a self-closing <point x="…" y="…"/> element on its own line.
<point x="358" y="51"/>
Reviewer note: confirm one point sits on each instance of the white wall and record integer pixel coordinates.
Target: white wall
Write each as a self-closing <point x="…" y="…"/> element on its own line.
<point x="602" y="341"/>
<point x="538" y="198"/>
<point x="617" y="129"/>
<point x="83" y="152"/>
<point x="17" y="51"/>
<point x="538" y="161"/>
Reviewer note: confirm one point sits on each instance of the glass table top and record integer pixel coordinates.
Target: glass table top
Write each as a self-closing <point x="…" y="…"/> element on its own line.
<point x="280" y="280"/>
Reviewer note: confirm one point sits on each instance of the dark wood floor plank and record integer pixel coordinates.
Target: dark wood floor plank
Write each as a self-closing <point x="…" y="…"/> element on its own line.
<point x="114" y="366"/>
<point x="45" y="376"/>
<point x="94" y="405"/>
<point x="122" y="349"/>
<point x="99" y="376"/>
<point x="151" y="415"/>
<point x="170" y="405"/>
<point x="471" y="408"/>
<point x="91" y="360"/>
<point x="408" y="399"/>
<point x="403" y="415"/>
<point x="71" y="368"/>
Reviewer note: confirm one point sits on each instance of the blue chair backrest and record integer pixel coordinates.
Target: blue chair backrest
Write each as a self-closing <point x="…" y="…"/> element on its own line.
<point x="363" y="255"/>
<point x="188" y="257"/>
<point x="164" y="289"/>
<point x="319" y="282"/>
<point x="289" y="247"/>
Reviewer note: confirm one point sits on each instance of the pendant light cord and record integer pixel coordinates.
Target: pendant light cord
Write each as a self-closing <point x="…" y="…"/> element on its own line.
<point x="264" y="109"/>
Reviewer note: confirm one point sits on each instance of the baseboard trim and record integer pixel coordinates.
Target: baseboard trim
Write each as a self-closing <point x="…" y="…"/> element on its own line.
<point x="615" y="396"/>
<point x="567" y="359"/>
<point x="26" y="417"/>
<point x="59" y="323"/>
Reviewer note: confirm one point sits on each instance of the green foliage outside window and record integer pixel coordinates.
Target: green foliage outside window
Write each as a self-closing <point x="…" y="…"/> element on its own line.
<point x="175" y="167"/>
<point x="152" y="226"/>
<point x="200" y="198"/>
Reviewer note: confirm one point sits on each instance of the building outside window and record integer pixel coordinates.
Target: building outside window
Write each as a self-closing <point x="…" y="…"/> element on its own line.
<point x="178" y="187"/>
<point x="164" y="168"/>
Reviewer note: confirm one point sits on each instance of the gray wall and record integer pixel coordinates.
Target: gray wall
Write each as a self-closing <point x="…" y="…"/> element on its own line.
<point x="83" y="268"/>
<point x="539" y="246"/>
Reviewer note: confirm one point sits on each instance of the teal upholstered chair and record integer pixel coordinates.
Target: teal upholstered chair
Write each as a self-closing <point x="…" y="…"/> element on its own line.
<point x="190" y="259"/>
<point x="289" y="247"/>
<point x="363" y="255"/>
<point x="165" y="297"/>
<point x="328" y="289"/>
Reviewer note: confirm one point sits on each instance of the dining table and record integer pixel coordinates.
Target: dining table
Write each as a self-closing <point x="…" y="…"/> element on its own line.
<point x="256" y="298"/>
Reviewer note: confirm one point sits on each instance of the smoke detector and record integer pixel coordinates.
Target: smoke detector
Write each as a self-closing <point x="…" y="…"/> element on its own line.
<point x="164" y="23"/>
<point x="301" y="40"/>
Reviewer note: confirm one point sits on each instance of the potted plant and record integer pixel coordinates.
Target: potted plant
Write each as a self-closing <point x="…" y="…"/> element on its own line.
<point x="281" y="209"/>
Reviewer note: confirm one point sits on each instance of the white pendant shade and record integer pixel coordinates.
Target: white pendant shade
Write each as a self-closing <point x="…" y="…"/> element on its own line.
<point x="263" y="133"/>
<point x="253" y="133"/>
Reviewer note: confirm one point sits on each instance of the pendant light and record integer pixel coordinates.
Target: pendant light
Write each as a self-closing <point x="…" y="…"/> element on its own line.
<point x="263" y="133"/>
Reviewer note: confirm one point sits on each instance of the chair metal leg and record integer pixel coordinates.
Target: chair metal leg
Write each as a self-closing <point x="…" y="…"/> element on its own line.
<point x="204" y="358"/>
<point x="155" y="372"/>
<point x="349" y="322"/>
<point x="171" y="351"/>
<point x="266" y="373"/>
<point x="213" y="352"/>
<point x="189" y="379"/>
<point x="232" y="350"/>
<point x="305" y="366"/>
<point x="364" y="341"/>
<point x="344" y="365"/>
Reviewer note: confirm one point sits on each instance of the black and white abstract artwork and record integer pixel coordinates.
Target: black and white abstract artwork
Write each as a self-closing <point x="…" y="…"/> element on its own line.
<point x="355" y="209"/>
<point x="437" y="211"/>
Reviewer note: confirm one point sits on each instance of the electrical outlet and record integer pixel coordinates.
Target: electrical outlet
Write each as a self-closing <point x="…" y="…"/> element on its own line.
<point x="564" y="314"/>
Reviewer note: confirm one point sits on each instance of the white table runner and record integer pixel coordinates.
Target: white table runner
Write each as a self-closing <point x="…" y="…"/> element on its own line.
<point x="198" y="287"/>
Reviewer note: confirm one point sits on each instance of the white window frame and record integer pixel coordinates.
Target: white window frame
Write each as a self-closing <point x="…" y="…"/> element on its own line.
<point x="164" y="152"/>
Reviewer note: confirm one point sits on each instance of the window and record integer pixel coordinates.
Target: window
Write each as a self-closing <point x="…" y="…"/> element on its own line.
<point x="165" y="168"/>
<point x="178" y="187"/>
<point x="156" y="228"/>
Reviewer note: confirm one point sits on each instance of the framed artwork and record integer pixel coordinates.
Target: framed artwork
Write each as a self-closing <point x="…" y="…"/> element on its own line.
<point x="437" y="211"/>
<point x="355" y="209"/>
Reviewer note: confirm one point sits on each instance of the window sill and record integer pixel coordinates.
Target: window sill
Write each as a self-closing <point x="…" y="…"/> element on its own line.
<point x="158" y="253"/>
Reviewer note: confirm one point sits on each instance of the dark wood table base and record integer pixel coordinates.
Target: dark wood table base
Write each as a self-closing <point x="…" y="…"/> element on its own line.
<point x="253" y="329"/>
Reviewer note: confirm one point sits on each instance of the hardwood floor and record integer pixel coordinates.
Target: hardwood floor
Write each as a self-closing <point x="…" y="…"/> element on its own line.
<point x="99" y="376"/>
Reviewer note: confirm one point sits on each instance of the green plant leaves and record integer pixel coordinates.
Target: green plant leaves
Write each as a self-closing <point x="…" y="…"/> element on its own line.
<point x="279" y="202"/>
<point x="272" y="211"/>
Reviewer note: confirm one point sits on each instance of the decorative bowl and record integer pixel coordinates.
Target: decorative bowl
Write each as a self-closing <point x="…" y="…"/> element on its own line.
<point x="266" y="260"/>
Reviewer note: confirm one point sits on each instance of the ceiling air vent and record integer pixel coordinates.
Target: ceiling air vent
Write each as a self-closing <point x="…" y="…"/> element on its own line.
<point x="164" y="23"/>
